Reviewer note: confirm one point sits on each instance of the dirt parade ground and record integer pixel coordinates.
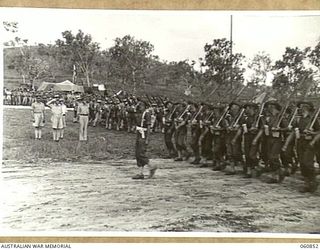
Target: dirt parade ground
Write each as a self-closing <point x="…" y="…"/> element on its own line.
<point x="63" y="186"/>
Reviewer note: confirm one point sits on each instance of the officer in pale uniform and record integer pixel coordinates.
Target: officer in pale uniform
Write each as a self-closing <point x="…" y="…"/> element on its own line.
<point x="38" y="109"/>
<point x="64" y="114"/>
<point x="83" y="114"/>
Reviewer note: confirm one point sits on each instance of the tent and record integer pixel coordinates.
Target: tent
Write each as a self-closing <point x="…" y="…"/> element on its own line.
<point x="65" y="86"/>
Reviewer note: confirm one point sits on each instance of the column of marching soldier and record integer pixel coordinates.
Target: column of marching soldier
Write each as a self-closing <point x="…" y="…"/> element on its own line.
<point x="267" y="138"/>
<point x="271" y="138"/>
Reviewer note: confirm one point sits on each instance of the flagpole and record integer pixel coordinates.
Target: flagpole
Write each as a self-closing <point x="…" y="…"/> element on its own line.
<point x="231" y="22"/>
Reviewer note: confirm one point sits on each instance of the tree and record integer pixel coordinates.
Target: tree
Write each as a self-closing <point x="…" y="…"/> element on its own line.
<point x="30" y="66"/>
<point x="79" y="50"/>
<point x="26" y="62"/>
<point x="259" y="66"/>
<point x="290" y="70"/>
<point x="221" y="64"/>
<point x="314" y="55"/>
<point x="130" y="59"/>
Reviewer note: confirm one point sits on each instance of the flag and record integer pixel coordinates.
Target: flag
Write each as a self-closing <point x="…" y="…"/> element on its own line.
<point x="74" y="76"/>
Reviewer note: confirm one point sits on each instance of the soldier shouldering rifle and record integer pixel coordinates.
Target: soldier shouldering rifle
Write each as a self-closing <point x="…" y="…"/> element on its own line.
<point x="259" y="138"/>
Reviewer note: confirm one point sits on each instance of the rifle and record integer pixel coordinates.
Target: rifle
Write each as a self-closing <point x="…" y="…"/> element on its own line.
<point x="256" y="124"/>
<point x="172" y="112"/>
<point x="183" y="113"/>
<point x="161" y="100"/>
<point x="304" y="95"/>
<point x="284" y="109"/>
<point x="228" y="107"/>
<point x="149" y="100"/>
<point x="314" y="119"/>
<point x="196" y="115"/>
<point x="212" y="112"/>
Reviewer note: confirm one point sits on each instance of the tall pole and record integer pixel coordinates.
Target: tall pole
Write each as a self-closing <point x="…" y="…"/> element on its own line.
<point x="231" y="83"/>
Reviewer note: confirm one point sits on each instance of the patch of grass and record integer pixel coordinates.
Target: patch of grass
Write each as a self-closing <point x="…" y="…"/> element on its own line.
<point x="19" y="143"/>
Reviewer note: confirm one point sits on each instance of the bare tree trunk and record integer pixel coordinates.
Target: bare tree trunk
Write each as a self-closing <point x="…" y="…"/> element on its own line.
<point x="134" y="81"/>
<point x="88" y="79"/>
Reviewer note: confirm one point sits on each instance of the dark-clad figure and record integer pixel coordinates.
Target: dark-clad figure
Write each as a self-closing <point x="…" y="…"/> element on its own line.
<point x="233" y="137"/>
<point x="304" y="132"/>
<point x="250" y="131"/>
<point x="181" y="133"/>
<point x="168" y="123"/>
<point x="142" y="141"/>
<point x="219" y="139"/>
<point x="274" y="141"/>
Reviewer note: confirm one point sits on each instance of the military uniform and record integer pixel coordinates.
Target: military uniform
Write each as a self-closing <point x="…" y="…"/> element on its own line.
<point x="287" y="156"/>
<point x="195" y="135"/>
<point x="169" y="131"/>
<point x="218" y="139"/>
<point x="181" y="136"/>
<point x="83" y="114"/>
<point x="250" y="148"/>
<point x="306" y="153"/>
<point x="38" y="109"/>
<point x="274" y="142"/>
<point x="233" y="139"/>
<point x="142" y="139"/>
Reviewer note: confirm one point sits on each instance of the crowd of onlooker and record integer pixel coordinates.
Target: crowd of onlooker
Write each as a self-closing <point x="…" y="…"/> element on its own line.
<point x="25" y="97"/>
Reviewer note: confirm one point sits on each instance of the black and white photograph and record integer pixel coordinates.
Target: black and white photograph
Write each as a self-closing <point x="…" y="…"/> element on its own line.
<point x="154" y="121"/>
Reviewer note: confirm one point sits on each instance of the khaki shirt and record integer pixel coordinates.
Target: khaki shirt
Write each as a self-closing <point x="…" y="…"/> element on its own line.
<point x="38" y="107"/>
<point x="83" y="109"/>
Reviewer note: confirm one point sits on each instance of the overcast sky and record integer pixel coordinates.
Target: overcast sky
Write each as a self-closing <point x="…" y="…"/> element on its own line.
<point x="176" y="35"/>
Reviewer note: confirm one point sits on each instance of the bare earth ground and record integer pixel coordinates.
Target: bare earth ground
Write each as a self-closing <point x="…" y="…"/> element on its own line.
<point x="51" y="186"/>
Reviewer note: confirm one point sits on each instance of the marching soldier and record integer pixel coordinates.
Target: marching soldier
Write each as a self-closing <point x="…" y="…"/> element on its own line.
<point x="306" y="127"/>
<point x="205" y="139"/>
<point x="195" y="133"/>
<point x="218" y="134"/>
<point x="272" y="128"/>
<point x="181" y="133"/>
<point x="287" y="157"/>
<point x="250" y="129"/>
<point x="233" y="137"/>
<point x="168" y="121"/>
<point x="142" y="141"/>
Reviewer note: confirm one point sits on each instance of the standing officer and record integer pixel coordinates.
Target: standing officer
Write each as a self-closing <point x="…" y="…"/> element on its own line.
<point x="64" y="115"/>
<point x="142" y="141"/>
<point x="38" y="109"/>
<point x="83" y="116"/>
<point x="56" y="117"/>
